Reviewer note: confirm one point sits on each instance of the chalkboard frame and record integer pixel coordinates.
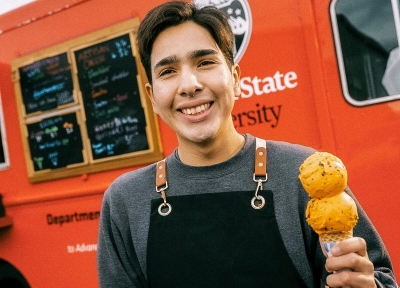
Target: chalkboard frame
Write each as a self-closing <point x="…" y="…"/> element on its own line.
<point x="153" y="151"/>
<point x="4" y="159"/>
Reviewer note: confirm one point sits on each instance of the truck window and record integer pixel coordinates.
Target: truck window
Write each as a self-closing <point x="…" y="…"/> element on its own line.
<point x="367" y="34"/>
<point x="4" y="163"/>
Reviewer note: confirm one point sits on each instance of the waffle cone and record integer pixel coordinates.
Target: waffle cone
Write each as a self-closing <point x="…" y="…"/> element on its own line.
<point x="336" y="237"/>
<point x="329" y="240"/>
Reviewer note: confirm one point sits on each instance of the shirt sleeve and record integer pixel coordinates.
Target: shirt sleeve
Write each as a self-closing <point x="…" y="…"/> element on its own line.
<point x="117" y="263"/>
<point x="377" y="252"/>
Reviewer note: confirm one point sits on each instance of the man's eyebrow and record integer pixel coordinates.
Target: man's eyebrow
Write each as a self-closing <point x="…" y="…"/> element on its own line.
<point x="166" y="61"/>
<point x="192" y="55"/>
<point x="201" y="53"/>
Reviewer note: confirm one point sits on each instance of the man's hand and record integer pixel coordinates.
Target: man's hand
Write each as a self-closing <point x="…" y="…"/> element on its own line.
<point x="350" y="265"/>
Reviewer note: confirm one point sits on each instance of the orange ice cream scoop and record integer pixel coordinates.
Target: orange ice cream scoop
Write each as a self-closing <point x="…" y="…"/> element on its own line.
<point x="323" y="175"/>
<point x="336" y="214"/>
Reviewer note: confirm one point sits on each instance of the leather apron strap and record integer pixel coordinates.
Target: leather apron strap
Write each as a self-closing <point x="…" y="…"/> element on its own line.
<point x="259" y="176"/>
<point x="260" y="163"/>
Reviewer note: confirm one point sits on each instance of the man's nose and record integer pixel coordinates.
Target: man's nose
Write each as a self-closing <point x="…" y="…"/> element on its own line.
<point x="189" y="83"/>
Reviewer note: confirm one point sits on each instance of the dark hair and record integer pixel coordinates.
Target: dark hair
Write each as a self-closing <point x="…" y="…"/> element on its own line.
<point x="177" y="12"/>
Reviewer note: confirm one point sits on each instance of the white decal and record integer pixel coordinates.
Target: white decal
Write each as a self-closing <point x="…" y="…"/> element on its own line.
<point x="81" y="248"/>
<point x="270" y="84"/>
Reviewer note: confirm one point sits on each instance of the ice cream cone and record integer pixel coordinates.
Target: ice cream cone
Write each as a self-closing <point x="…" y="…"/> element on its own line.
<point x="328" y="240"/>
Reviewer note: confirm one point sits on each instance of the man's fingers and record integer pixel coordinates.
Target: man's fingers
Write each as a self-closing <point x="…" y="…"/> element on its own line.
<point x="350" y="265"/>
<point x="348" y="278"/>
<point x="351" y="245"/>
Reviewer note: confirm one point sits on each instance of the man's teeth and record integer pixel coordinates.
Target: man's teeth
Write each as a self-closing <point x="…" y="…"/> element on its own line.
<point x="196" y="110"/>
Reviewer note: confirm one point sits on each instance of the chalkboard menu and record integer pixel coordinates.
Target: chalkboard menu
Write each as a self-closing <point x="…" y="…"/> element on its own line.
<point x="55" y="142"/>
<point x="46" y="84"/>
<point x="108" y="82"/>
<point x="82" y="106"/>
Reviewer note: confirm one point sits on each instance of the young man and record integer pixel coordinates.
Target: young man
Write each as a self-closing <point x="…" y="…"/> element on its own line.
<point x="208" y="216"/>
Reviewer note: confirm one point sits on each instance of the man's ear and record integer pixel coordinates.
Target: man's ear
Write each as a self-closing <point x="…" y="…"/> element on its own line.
<point x="236" y="80"/>
<point x="149" y="92"/>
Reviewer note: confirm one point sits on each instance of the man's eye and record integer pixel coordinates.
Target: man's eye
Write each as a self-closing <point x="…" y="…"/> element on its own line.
<point x="166" y="72"/>
<point x="206" y="62"/>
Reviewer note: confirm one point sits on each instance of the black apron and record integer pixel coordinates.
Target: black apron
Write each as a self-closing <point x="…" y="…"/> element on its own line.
<point x="228" y="239"/>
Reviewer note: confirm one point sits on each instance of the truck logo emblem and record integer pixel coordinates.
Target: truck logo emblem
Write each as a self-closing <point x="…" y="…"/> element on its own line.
<point x="239" y="19"/>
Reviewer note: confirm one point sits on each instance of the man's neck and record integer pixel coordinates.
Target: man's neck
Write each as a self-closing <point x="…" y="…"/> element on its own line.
<point x="210" y="152"/>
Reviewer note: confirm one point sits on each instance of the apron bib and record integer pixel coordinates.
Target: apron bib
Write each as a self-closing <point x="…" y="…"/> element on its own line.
<point x="228" y="239"/>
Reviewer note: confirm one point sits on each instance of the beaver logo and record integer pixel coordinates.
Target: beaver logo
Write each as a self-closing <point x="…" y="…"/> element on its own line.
<point x="239" y="18"/>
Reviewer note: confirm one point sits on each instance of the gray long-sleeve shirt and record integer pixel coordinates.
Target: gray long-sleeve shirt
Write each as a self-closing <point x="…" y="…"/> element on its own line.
<point x="125" y="213"/>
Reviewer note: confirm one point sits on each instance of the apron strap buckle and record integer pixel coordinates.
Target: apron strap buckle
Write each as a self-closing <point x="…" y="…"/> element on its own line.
<point x="161" y="184"/>
<point x="258" y="201"/>
<point x="260" y="172"/>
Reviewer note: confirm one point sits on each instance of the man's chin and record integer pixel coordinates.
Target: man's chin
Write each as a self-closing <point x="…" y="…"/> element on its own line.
<point x="198" y="138"/>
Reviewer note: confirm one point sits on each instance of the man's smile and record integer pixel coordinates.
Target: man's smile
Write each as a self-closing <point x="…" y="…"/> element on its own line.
<point x="196" y="110"/>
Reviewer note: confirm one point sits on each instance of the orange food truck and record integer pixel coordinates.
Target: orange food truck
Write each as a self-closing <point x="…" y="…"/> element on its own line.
<point x="74" y="115"/>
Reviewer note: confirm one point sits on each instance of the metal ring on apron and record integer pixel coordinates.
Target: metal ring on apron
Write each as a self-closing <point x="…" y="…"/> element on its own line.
<point x="163" y="205"/>
<point x="260" y="205"/>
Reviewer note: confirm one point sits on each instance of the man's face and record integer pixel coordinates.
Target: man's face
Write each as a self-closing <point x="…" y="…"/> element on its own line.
<point x="186" y="60"/>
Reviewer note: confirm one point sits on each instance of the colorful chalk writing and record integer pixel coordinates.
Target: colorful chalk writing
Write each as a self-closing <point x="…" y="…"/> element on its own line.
<point x="55" y="142"/>
<point x="46" y="84"/>
<point x="115" y="118"/>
